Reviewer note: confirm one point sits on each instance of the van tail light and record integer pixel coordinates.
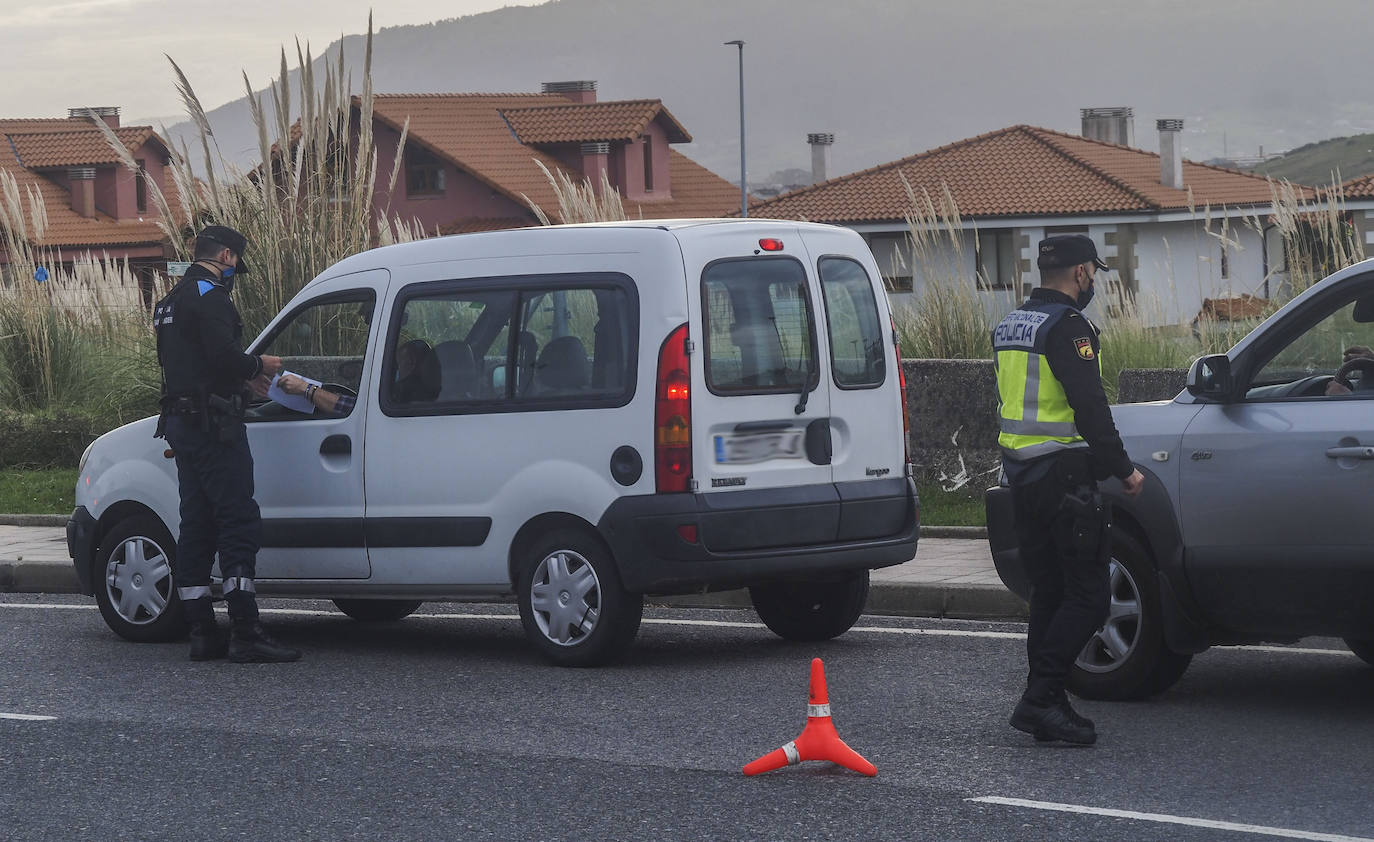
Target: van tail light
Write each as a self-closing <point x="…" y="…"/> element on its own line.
<point x="901" y="381"/>
<point x="673" y="416"/>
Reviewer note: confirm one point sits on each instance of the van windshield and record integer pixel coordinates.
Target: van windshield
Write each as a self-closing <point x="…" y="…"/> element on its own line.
<point x="757" y="322"/>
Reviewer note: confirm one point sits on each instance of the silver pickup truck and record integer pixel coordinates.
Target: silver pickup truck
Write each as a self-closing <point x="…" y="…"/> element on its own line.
<point x="1255" y="522"/>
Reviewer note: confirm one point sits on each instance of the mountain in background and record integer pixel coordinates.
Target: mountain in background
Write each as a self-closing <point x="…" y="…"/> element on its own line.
<point x="1341" y="159"/>
<point x="892" y="78"/>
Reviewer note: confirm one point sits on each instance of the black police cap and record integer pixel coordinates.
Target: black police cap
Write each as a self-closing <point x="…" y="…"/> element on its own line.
<point x="1067" y="250"/>
<point x="230" y="239"/>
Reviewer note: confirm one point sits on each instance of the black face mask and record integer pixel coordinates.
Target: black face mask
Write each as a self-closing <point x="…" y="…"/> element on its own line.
<point x="1085" y="297"/>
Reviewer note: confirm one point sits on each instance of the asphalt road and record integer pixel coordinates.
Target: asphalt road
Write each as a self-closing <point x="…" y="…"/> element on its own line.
<point x="450" y="727"/>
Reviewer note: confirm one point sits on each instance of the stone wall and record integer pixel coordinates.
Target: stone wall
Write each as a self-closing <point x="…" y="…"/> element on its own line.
<point x="953" y="411"/>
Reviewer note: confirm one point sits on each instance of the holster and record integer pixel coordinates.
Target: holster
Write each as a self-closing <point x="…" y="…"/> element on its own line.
<point x="1092" y="521"/>
<point x="225" y="415"/>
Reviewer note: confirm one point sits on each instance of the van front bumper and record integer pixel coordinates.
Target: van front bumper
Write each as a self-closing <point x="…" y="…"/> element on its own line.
<point x="81" y="546"/>
<point x="751" y="537"/>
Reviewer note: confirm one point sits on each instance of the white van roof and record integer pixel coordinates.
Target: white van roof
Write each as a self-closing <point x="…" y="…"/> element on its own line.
<point x="441" y="248"/>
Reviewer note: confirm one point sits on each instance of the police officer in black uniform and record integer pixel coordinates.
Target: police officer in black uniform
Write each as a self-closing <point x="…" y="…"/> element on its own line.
<point x="204" y="375"/>
<point x="1057" y="440"/>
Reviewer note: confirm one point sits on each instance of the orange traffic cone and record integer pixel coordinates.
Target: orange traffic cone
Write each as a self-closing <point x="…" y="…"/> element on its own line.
<point x="818" y="740"/>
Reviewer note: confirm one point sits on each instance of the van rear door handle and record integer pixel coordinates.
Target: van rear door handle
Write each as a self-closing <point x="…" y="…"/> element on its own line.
<point x="336" y="445"/>
<point x="1361" y="452"/>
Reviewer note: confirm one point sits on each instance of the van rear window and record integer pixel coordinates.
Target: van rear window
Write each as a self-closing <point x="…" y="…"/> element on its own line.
<point x="757" y="319"/>
<point x="851" y="315"/>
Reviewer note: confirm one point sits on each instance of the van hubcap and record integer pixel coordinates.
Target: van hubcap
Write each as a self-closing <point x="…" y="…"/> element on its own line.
<point x="138" y="580"/>
<point x="1112" y="644"/>
<point x="565" y="597"/>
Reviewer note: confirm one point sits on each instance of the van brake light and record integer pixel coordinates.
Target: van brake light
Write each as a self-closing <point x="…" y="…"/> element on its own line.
<point x="901" y="381"/>
<point x="673" y="416"/>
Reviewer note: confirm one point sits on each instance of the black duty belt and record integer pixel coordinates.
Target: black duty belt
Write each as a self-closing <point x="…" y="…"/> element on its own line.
<point x="186" y="405"/>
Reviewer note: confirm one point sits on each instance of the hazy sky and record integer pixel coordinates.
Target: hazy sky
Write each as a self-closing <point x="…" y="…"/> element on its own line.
<point x="59" y="54"/>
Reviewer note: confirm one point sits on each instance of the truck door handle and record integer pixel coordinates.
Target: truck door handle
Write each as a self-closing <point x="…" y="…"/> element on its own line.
<point x="336" y="445"/>
<point x="1360" y="452"/>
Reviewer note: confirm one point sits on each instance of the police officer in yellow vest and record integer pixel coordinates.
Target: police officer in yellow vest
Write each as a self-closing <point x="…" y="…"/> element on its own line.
<point x="1057" y="440"/>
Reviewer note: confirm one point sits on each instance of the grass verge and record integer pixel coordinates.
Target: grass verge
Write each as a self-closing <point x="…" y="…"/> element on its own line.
<point x="944" y="508"/>
<point x="50" y="491"/>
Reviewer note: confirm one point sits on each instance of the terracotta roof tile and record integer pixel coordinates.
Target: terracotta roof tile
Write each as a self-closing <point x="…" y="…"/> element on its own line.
<point x="46" y="150"/>
<point x="1020" y="171"/>
<point x="580" y="123"/>
<point x="1361" y="187"/>
<point x="469" y="130"/>
<point x="474" y="224"/>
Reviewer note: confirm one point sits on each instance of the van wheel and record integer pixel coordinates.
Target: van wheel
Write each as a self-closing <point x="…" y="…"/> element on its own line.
<point x="1364" y="649"/>
<point x="377" y="610"/>
<point x="813" y="610"/>
<point x="132" y="574"/>
<point x="572" y="604"/>
<point x="1127" y="658"/>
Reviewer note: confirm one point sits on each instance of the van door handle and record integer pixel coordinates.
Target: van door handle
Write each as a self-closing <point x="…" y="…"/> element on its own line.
<point x="818" y="446"/>
<point x="1361" y="452"/>
<point x="336" y="445"/>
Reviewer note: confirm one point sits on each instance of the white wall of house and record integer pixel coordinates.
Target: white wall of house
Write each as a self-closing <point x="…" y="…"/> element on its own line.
<point x="1175" y="264"/>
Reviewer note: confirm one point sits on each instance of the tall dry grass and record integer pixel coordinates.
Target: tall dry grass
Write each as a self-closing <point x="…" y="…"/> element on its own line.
<point x="579" y="201"/>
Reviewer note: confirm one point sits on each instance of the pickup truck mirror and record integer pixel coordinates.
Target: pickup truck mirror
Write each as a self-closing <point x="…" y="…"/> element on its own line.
<point x="1210" y="377"/>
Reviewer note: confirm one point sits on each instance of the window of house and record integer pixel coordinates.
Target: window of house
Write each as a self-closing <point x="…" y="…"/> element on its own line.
<point x="758" y="326"/>
<point x="1065" y="230"/>
<point x="543" y="343"/>
<point x="851" y="315"/>
<point x="893" y="255"/>
<point x="424" y="173"/>
<point x="996" y="258"/>
<point x="141" y="188"/>
<point x="648" y="144"/>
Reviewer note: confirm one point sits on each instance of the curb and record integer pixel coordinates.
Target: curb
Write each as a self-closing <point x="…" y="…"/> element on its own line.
<point x="37" y="577"/>
<point x="33" y="520"/>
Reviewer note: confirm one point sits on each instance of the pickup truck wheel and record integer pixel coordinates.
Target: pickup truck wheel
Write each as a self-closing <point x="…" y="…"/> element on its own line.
<point x="377" y="610"/>
<point x="572" y="605"/>
<point x="1364" y="649"/>
<point x="1127" y="658"/>
<point x="132" y="574"/>
<point x="811" y="611"/>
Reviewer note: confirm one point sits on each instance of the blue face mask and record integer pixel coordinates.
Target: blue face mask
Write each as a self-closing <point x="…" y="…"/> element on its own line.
<point x="227" y="273"/>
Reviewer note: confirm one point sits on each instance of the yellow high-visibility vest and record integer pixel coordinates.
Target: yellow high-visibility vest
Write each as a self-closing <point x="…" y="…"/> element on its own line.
<point x="1034" y="412"/>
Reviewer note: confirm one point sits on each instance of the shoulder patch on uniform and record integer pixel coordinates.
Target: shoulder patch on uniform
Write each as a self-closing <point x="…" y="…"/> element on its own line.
<point x="204" y="286"/>
<point x="1085" y="347"/>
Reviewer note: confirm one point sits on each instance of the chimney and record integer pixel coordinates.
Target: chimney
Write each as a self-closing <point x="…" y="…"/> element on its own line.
<point x="1111" y="125"/>
<point x="820" y="155"/>
<point x="108" y="113"/>
<point x="581" y="91"/>
<point x="83" y="190"/>
<point x="1170" y="152"/>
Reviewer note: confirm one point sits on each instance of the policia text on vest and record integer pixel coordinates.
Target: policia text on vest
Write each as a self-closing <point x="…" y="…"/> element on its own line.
<point x="1057" y="439"/>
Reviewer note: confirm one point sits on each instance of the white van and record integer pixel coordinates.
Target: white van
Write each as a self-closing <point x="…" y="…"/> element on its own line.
<point x="577" y="416"/>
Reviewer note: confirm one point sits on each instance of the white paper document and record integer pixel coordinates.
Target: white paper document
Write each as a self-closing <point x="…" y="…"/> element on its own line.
<point x="299" y="403"/>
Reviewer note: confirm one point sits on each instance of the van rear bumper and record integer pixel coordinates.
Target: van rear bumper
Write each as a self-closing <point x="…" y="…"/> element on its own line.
<point x="750" y="537"/>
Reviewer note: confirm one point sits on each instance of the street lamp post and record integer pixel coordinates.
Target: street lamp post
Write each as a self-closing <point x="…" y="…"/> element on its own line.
<point x="743" y="185"/>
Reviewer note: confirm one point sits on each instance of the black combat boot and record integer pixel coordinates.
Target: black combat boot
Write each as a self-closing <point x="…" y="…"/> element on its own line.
<point x="207" y="641"/>
<point x="250" y="644"/>
<point x="1053" y="721"/>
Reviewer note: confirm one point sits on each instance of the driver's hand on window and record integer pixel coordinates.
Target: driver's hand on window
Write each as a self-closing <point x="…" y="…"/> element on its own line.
<point x="291" y="384"/>
<point x="1336" y="387"/>
<point x="260" y="385"/>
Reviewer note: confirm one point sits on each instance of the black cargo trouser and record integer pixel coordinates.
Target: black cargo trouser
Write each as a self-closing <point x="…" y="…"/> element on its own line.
<point x="218" y="512"/>
<point x="1062" y="528"/>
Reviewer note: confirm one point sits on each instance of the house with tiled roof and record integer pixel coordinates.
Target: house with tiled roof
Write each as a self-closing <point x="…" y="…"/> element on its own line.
<point x="1174" y="232"/>
<point x="470" y="160"/>
<point x="93" y="205"/>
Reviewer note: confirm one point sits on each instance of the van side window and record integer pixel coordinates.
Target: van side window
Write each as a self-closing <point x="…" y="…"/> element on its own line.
<point x="573" y="343"/>
<point x="758" y="317"/>
<point x="851" y="313"/>
<point x="325" y="340"/>
<point x="531" y="345"/>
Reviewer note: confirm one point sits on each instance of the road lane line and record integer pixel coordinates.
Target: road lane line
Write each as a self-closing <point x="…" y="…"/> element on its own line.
<point x="724" y="624"/>
<point x="1165" y="818"/>
<point x="27" y="717"/>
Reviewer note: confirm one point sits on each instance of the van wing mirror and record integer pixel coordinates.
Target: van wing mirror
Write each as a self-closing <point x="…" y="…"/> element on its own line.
<point x="1210" y="377"/>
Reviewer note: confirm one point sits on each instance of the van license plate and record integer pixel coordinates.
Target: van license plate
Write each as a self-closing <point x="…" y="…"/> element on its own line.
<point x="759" y="447"/>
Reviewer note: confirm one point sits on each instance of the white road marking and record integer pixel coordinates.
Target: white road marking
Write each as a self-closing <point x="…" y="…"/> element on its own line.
<point x="27" y="717"/>
<point x="1164" y="818"/>
<point x="723" y="624"/>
